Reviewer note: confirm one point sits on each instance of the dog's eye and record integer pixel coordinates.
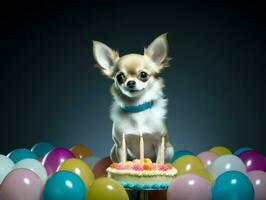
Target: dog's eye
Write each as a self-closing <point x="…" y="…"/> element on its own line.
<point x="120" y="78"/>
<point x="143" y="76"/>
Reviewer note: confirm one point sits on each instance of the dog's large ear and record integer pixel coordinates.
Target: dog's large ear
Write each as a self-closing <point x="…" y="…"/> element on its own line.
<point x="105" y="57"/>
<point x="157" y="51"/>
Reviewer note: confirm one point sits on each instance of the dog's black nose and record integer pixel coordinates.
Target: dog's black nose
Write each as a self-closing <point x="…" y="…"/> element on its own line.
<point x="131" y="84"/>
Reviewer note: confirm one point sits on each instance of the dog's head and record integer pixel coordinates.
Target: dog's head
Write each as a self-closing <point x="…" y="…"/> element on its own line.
<point x="133" y="74"/>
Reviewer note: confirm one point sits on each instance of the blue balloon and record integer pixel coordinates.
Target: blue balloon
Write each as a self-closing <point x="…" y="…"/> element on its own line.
<point x="232" y="185"/>
<point x="64" y="185"/>
<point x="242" y="149"/>
<point x="181" y="153"/>
<point x="42" y="148"/>
<point x="20" y="154"/>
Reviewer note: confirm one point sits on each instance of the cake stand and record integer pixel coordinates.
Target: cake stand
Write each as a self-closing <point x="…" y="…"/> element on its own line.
<point x="143" y="194"/>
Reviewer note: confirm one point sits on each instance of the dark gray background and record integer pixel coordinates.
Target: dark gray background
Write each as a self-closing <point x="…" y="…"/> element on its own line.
<point x="50" y="90"/>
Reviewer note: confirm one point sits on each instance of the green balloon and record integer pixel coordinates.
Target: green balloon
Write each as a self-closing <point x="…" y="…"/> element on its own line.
<point x="20" y="154"/>
<point x="232" y="185"/>
<point x="42" y="148"/>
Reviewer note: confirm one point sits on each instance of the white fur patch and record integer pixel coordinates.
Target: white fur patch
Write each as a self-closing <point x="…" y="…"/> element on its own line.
<point x="149" y="122"/>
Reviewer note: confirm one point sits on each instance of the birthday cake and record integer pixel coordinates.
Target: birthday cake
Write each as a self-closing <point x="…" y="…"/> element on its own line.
<point x="146" y="175"/>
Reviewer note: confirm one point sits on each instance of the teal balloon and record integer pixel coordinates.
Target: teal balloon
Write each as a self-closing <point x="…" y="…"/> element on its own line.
<point x="20" y="154"/>
<point x="42" y="148"/>
<point x="242" y="149"/>
<point x="181" y="153"/>
<point x="232" y="185"/>
<point x="64" y="185"/>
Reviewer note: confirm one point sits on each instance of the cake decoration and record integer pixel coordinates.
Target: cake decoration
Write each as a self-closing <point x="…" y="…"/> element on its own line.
<point x="142" y="173"/>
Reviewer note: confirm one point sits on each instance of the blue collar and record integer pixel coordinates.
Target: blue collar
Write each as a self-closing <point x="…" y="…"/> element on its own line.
<point x="137" y="108"/>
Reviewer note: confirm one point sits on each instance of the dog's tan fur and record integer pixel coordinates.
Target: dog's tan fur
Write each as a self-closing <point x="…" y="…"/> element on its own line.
<point x="151" y="122"/>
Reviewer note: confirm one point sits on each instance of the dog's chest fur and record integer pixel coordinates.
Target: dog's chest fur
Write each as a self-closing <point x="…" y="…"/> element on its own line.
<point x="150" y="121"/>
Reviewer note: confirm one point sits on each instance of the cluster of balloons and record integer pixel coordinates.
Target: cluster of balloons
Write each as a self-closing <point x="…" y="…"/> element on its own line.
<point x="219" y="174"/>
<point x="50" y="173"/>
<point x="46" y="172"/>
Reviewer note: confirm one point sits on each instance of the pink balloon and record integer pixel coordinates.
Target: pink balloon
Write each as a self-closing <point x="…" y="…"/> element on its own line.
<point x="55" y="157"/>
<point x="258" y="179"/>
<point x="208" y="158"/>
<point x="21" y="184"/>
<point x="189" y="186"/>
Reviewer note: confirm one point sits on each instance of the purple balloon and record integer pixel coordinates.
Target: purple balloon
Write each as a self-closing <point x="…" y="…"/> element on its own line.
<point x="258" y="179"/>
<point x="208" y="158"/>
<point x="55" y="157"/>
<point x="253" y="160"/>
<point x="22" y="184"/>
<point x="189" y="186"/>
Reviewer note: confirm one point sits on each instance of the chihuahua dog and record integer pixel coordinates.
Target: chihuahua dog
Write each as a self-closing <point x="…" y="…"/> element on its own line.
<point x="139" y="105"/>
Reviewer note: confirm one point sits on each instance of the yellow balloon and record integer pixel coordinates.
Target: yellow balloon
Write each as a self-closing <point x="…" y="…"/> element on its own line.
<point x="106" y="189"/>
<point x="80" y="168"/>
<point x="81" y="151"/>
<point x="187" y="164"/>
<point x="220" y="150"/>
<point x="204" y="174"/>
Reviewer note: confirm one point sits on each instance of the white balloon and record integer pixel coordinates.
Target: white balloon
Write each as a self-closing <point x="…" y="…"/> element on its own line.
<point x="227" y="163"/>
<point x="6" y="166"/>
<point x="33" y="165"/>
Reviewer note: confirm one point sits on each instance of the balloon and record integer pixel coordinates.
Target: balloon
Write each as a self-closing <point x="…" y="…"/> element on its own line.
<point x="232" y="185"/>
<point x="91" y="161"/>
<point x="187" y="164"/>
<point x="64" y="185"/>
<point x="192" y="164"/>
<point x="42" y="148"/>
<point x="80" y="168"/>
<point x="189" y="186"/>
<point x="22" y="184"/>
<point x="208" y="158"/>
<point x="55" y="157"/>
<point x="220" y="150"/>
<point x="99" y="169"/>
<point x="242" y="149"/>
<point x="81" y="151"/>
<point x="227" y="163"/>
<point x="40" y="159"/>
<point x="258" y="179"/>
<point x="6" y="165"/>
<point x="106" y="188"/>
<point x="20" y="154"/>
<point x="253" y="160"/>
<point x="181" y="153"/>
<point x="33" y="165"/>
<point x="204" y="174"/>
